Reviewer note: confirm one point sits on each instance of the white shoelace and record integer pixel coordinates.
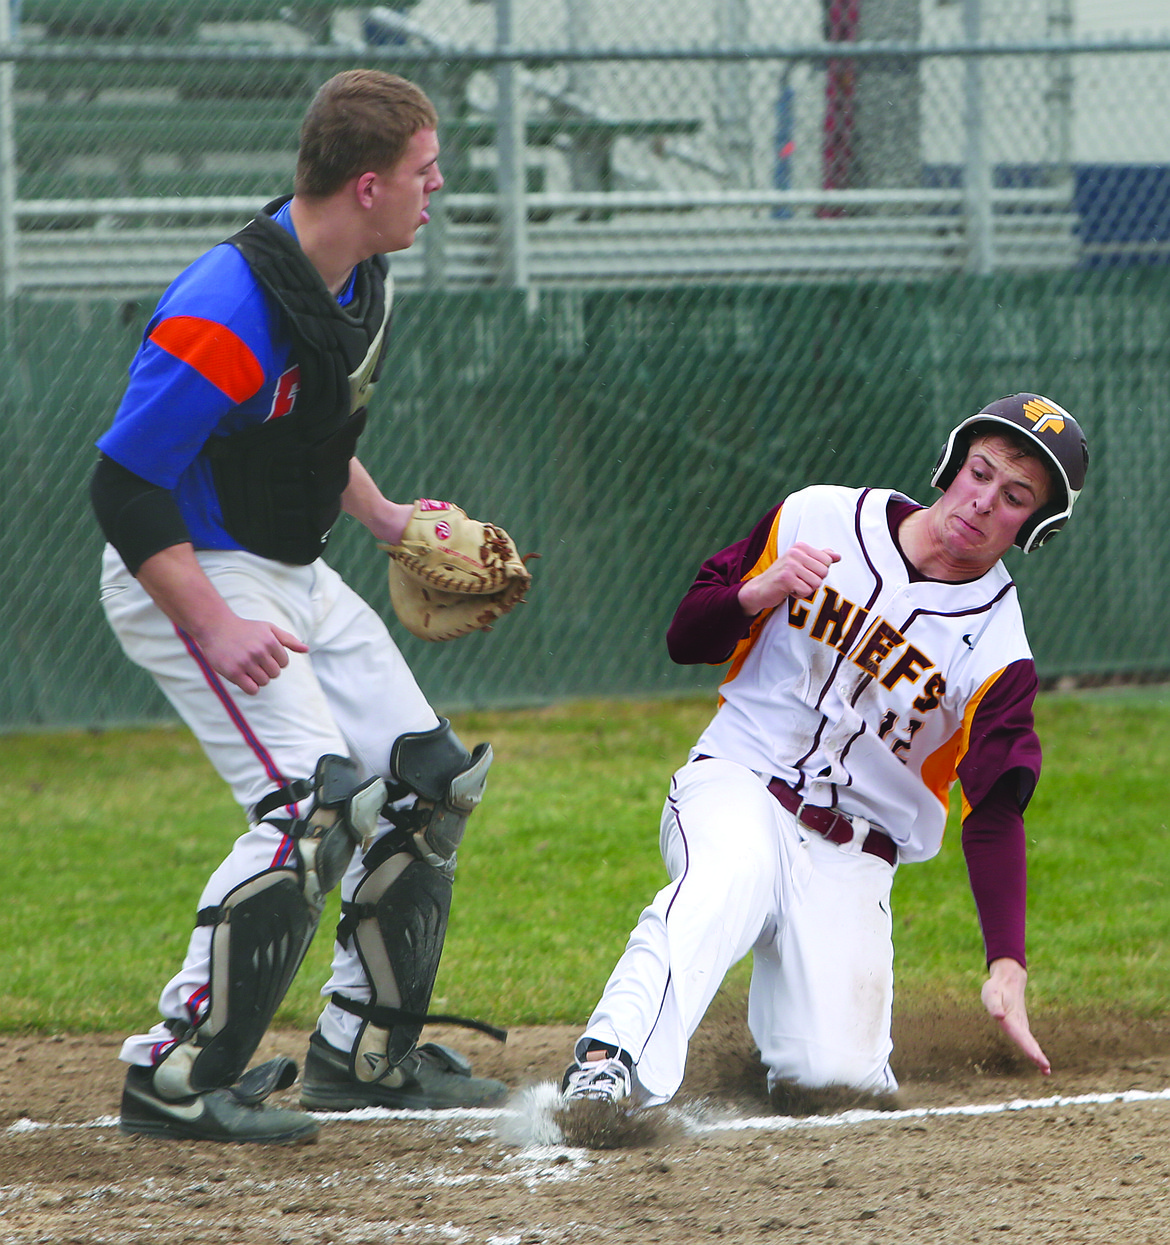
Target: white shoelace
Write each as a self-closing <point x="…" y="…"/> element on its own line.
<point x="600" y="1079"/>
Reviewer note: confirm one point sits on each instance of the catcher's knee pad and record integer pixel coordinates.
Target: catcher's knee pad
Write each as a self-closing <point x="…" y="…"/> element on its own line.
<point x="449" y="782"/>
<point x="260" y="935"/>
<point x="343" y="815"/>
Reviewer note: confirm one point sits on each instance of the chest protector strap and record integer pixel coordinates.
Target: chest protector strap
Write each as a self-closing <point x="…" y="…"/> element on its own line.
<point x="280" y="483"/>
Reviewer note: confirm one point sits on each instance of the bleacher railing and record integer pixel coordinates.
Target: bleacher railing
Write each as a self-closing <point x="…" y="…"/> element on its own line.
<point x="166" y="118"/>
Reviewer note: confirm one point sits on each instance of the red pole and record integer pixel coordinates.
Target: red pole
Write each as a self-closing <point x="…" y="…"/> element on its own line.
<point x="844" y="17"/>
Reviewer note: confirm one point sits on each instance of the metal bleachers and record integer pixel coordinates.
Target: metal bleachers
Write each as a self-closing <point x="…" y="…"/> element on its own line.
<point x="128" y="167"/>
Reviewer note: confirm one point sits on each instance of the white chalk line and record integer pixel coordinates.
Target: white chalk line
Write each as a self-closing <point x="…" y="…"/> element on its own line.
<point x="781" y="1123"/>
<point x="702" y="1120"/>
<point x="365" y="1114"/>
<point x="541" y="1157"/>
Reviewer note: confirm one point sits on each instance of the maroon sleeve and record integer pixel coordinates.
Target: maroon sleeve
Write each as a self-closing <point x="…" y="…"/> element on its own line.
<point x="709" y="621"/>
<point x="999" y="772"/>
<point x="1003" y="737"/>
<point x="994" y="846"/>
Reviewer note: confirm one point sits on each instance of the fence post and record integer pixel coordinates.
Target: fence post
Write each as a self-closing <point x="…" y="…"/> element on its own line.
<point x="976" y="170"/>
<point x="9" y="277"/>
<point x="510" y="153"/>
<point x="1059" y="97"/>
<point x="733" y="107"/>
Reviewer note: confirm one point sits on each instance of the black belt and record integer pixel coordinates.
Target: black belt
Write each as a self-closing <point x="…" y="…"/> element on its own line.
<point x="829" y="823"/>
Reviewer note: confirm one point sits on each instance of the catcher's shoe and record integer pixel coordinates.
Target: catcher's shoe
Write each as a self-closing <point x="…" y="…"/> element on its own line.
<point x="598" y="1080"/>
<point x="431" y="1077"/>
<point x="217" y="1115"/>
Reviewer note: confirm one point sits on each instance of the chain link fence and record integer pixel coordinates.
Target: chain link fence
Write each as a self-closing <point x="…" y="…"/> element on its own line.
<point x="689" y="256"/>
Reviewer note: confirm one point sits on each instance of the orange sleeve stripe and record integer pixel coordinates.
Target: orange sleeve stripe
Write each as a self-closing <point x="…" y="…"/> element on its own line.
<point x="765" y="560"/>
<point x="938" y="770"/>
<point x="215" y="352"/>
<point x="968" y="718"/>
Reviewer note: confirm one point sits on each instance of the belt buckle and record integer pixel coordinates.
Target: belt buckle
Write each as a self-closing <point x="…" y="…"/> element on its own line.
<point x="799" y="815"/>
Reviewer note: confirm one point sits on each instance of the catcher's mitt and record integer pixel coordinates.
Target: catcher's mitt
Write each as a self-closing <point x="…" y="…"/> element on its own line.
<point x="450" y="575"/>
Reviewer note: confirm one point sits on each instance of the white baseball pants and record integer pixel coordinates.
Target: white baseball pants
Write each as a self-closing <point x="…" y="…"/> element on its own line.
<point x="745" y="876"/>
<point x="352" y="695"/>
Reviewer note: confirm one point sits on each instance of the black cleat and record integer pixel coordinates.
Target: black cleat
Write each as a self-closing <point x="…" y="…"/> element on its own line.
<point x="430" y="1078"/>
<point x="217" y="1115"/>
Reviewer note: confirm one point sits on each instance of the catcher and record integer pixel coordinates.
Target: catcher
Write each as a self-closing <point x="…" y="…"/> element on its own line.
<point x="231" y="456"/>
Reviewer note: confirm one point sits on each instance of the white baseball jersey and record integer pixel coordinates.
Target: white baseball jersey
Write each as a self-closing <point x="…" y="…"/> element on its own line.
<point x="871" y="696"/>
<point x="863" y="696"/>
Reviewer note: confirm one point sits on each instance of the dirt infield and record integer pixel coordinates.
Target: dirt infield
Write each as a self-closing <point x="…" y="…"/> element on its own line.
<point x="1094" y="1170"/>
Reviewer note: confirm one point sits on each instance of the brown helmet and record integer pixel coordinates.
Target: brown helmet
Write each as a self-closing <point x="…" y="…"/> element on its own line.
<point x="1053" y="431"/>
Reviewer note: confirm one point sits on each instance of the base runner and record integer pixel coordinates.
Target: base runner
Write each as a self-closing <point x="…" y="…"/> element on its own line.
<point x="878" y="655"/>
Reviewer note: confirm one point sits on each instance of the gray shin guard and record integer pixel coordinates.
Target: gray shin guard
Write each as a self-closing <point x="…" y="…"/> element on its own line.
<point x="261" y="933"/>
<point x="398" y="917"/>
<point x="404" y="904"/>
<point x="263" y="928"/>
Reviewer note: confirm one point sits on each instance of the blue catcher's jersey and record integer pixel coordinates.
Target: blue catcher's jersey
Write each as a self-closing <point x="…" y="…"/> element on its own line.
<point x="215" y="358"/>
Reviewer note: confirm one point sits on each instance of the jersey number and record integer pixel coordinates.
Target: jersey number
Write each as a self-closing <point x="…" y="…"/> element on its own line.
<point x="901" y="743"/>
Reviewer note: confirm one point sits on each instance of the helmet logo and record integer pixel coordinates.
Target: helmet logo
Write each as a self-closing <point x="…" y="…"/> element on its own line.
<point x="1047" y="416"/>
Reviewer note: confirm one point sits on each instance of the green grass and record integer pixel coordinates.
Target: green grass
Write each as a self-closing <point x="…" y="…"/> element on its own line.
<point x="1099" y="851"/>
<point x="109" y="838"/>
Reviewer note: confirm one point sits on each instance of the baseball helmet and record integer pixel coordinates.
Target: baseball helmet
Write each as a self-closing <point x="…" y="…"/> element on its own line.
<point x="1054" y="433"/>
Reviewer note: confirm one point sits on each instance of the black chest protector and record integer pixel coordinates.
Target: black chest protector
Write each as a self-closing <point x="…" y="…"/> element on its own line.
<point x="280" y="483"/>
